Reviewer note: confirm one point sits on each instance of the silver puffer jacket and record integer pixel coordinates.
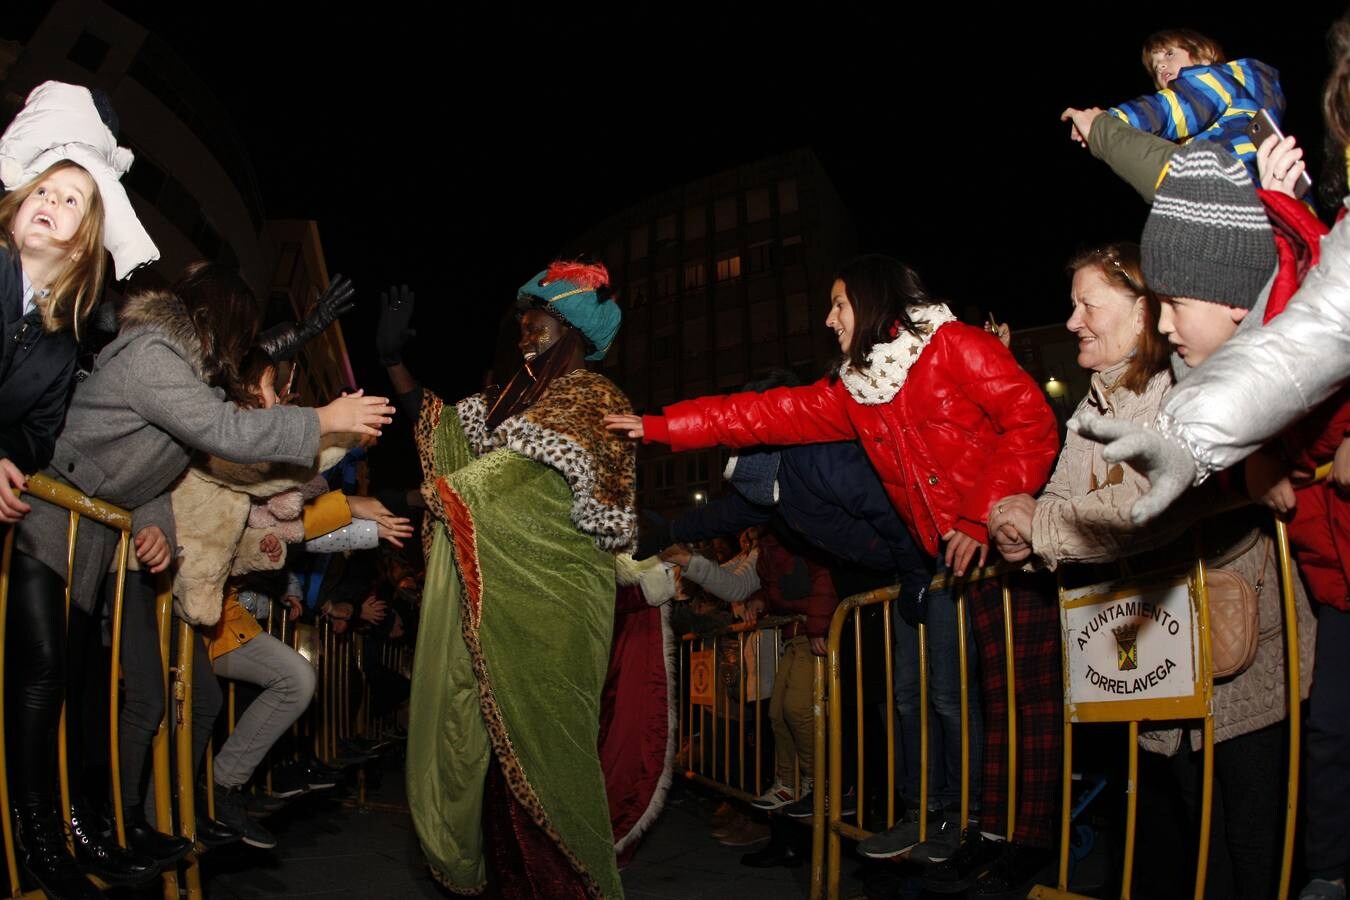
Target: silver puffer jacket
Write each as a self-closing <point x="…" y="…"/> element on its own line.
<point x="1266" y="378"/>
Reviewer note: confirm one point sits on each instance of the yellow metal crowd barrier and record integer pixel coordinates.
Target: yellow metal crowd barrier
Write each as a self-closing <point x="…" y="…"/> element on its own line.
<point x="706" y="705"/>
<point x="846" y="615"/>
<point x="715" y="725"/>
<point x="337" y="718"/>
<point x="114" y="517"/>
<point x="1199" y="706"/>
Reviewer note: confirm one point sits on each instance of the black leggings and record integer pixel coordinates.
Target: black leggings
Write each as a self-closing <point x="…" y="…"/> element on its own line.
<point x="35" y="651"/>
<point x="143" y="675"/>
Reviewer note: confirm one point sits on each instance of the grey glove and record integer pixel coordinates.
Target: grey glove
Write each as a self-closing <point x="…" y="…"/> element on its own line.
<point x="1161" y="458"/>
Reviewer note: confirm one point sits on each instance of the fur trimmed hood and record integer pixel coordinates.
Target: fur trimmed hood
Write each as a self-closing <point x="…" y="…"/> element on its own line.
<point x="163" y="312"/>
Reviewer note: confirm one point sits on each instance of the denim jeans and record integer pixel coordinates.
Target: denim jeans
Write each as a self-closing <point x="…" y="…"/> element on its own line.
<point x="944" y="703"/>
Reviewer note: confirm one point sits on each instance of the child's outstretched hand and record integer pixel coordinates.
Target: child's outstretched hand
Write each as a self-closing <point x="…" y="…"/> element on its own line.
<point x="624" y="424"/>
<point x="1082" y="120"/>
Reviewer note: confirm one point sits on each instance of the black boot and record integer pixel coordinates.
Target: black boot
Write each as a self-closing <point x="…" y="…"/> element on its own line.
<point x="98" y="853"/>
<point x="43" y="855"/>
<point x="165" y="849"/>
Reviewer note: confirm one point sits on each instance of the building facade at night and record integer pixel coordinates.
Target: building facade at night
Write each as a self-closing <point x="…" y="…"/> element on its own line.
<point x="720" y="280"/>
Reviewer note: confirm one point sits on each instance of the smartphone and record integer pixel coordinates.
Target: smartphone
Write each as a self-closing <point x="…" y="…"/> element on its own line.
<point x="1263" y="126"/>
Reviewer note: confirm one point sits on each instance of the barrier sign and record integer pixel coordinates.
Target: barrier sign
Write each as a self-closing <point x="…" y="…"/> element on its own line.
<point x="702" y="676"/>
<point x="1136" y="645"/>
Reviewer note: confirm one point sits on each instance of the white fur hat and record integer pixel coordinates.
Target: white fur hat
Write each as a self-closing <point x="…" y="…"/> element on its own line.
<point x="59" y="121"/>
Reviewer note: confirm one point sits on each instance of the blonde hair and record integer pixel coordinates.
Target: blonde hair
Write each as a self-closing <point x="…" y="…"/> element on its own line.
<point x="79" y="283"/>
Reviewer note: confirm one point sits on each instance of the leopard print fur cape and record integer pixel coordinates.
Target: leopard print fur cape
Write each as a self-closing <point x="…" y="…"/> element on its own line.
<point x="565" y="430"/>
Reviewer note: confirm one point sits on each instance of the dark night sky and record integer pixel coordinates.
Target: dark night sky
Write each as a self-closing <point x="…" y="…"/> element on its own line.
<point x="458" y="151"/>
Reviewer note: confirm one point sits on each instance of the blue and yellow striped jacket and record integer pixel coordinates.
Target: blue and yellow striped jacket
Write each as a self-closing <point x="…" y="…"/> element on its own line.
<point x="1212" y="103"/>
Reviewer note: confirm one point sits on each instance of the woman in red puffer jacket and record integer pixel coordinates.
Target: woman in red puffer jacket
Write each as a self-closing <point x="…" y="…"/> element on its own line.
<point x="951" y="423"/>
<point x="948" y="418"/>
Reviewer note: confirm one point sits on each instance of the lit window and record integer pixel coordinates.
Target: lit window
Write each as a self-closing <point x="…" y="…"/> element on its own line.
<point x="728" y="268"/>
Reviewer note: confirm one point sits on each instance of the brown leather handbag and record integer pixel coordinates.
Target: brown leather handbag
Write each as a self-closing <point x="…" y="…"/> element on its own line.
<point x="1234" y="618"/>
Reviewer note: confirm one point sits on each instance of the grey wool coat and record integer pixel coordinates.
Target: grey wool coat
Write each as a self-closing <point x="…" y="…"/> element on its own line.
<point x="132" y="427"/>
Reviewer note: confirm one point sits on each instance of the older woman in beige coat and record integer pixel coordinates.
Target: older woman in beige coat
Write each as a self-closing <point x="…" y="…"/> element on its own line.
<point x="1082" y="516"/>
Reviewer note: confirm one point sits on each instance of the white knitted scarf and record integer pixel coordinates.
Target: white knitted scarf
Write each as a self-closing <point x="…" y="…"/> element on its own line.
<point x="888" y="364"/>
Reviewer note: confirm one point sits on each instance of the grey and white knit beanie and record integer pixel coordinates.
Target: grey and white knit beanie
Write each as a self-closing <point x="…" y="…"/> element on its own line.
<point x="1207" y="235"/>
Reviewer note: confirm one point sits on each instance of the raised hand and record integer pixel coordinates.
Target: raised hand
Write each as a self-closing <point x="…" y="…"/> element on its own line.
<point x="283" y="342"/>
<point x="1082" y="120"/>
<point x="394" y="331"/>
<point x="1163" y="460"/>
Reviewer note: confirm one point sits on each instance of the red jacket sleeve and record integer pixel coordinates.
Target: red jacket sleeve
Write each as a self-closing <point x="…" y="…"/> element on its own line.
<point x="1028" y="439"/>
<point x="810" y="414"/>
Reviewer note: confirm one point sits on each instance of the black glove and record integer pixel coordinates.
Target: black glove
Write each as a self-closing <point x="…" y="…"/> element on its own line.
<point x="654" y="534"/>
<point x="913" y="608"/>
<point x="393" y="333"/>
<point x="282" y="342"/>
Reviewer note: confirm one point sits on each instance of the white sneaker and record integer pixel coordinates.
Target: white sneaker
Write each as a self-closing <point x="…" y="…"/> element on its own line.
<point x="777" y="795"/>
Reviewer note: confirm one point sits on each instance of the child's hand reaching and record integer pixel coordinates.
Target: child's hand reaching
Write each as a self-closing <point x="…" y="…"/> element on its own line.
<point x="1082" y="120"/>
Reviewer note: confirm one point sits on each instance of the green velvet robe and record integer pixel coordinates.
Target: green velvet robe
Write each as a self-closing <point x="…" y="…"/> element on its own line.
<point x="516" y="622"/>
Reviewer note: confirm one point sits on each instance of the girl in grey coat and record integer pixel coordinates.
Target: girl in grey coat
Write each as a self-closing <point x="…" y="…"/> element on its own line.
<point x="153" y="398"/>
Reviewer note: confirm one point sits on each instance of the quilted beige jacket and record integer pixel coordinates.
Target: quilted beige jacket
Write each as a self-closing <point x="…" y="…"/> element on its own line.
<point x="1083" y="517"/>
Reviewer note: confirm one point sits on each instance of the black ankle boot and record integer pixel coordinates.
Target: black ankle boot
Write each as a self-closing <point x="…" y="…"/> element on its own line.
<point x="43" y="855"/>
<point x="97" y="851"/>
<point x="165" y="849"/>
